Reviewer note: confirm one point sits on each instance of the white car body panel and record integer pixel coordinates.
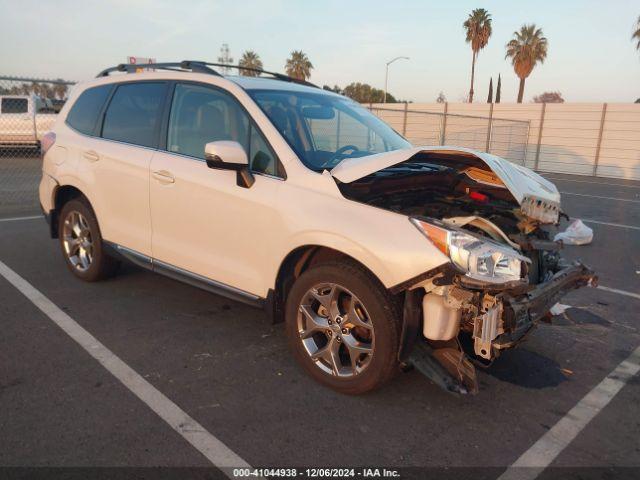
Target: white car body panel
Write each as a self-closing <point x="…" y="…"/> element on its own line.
<point x="205" y="224"/>
<point x="120" y="187"/>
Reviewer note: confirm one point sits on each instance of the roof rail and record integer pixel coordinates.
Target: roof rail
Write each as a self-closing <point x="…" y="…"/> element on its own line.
<point x="194" y="66"/>
<point x="199" y="67"/>
<point x="279" y="76"/>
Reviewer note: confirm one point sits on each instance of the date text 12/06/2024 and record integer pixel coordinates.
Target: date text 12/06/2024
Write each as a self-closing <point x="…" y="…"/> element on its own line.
<point x="316" y="473"/>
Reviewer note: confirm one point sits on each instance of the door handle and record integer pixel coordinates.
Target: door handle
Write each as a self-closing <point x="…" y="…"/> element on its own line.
<point x="91" y="156"/>
<point x="163" y="176"/>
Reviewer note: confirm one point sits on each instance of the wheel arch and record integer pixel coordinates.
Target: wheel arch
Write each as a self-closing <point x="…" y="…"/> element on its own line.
<point x="296" y="262"/>
<point x="62" y="195"/>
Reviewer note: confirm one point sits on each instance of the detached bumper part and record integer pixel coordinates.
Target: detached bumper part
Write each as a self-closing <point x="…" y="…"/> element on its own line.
<point x="522" y="312"/>
<point x="447" y="367"/>
<point x="441" y="360"/>
<point x="487" y="327"/>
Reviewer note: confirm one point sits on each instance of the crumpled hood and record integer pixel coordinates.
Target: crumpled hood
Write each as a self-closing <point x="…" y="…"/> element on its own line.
<point x="538" y="197"/>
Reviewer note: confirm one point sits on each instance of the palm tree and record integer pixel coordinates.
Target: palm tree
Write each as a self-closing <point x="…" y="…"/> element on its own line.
<point x="250" y="59"/>
<point x="636" y="34"/>
<point x="298" y="65"/>
<point x="526" y="49"/>
<point x="60" y="89"/>
<point x="478" y="27"/>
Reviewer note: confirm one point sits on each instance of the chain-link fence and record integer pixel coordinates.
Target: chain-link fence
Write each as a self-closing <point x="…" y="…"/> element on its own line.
<point x="28" y="109"/>
<point x="502" y="137"/>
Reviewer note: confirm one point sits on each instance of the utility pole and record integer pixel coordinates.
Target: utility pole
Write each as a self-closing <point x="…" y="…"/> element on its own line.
<point x="224" y="57"/>
<point x="386" y="76"/>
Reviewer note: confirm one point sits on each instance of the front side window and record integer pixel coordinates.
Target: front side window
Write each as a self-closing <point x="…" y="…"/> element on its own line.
<point x="84" y="112"/>
<point x="324" y="129"/>
<point x="133" y="113"/>
<point x="14" y="105"/>
<point x="200" y="115"/>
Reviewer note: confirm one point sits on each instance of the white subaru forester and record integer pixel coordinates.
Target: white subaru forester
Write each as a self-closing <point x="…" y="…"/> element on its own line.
<point x="279" y="194"/>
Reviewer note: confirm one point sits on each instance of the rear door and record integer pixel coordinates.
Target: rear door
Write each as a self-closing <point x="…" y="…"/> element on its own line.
<point x="117" y="163"/>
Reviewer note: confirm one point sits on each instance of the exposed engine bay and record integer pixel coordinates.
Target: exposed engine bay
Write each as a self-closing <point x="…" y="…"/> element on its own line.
<point x="505" y="271"/>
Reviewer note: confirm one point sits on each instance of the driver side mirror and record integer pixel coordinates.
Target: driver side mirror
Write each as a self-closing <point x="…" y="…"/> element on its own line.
<point x="229" y="155"/>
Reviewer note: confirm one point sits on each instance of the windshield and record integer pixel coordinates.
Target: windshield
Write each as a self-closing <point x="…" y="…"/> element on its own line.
<point x="325" y="129"/>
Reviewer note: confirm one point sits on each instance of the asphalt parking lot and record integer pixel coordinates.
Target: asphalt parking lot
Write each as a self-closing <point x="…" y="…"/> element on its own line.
<point x="229" y="369"/>
<point x="19" y="178"/>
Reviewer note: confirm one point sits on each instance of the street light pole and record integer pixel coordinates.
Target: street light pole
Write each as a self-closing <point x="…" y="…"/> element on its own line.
<point x="386" y="76"/>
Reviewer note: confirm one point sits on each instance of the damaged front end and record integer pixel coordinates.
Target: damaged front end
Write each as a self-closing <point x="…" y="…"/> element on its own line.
<point x="491" y="219"/>
<point x="464" y="324"/>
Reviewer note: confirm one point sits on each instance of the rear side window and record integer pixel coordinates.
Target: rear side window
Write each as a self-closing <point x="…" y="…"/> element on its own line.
<point x="133" y="113"/>
<point x="14" y="105"/>
<point x="84" y="113"/>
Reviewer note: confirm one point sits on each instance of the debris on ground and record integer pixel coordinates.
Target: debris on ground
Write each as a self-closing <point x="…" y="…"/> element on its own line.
<point x="559" y="309"/>
<point x="577" y="233"/>
<point x="203" y="355"/>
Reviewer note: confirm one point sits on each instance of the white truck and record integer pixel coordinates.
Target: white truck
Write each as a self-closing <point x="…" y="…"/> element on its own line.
<point x="24" y="119"/>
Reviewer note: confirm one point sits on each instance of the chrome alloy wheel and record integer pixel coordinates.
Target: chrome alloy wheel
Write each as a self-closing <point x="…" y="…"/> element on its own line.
<point x="77" y="241"/>
<point x="335" y="330"/>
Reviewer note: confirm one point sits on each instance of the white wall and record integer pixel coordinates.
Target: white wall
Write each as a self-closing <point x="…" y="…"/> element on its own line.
<point x="569" y="140"/>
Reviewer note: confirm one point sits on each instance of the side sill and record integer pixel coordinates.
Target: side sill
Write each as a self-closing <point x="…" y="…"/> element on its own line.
<point x="131" y="255"/>
<point x="185" y="276"/>
<point x="207" y="284"/>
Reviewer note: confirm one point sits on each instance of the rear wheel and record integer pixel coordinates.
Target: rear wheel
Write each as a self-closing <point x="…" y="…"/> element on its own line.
<point x="343" y="327"/>
<point x="81" y="242"/>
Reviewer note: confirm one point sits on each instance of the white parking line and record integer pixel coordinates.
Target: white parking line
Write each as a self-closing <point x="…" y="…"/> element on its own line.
<point x="601" y="197"/>
<point x="16" y="219"/>
<point x="548" y="447"/>
<point x="593" y="183"/>
<point x="619" y="225"/>
<point x="213" y="449"/>
<point x="619" y="292"/>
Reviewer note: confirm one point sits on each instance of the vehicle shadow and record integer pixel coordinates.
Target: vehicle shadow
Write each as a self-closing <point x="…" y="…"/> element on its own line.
<point x="580" y="317"/>
<point x="526" y="369"/>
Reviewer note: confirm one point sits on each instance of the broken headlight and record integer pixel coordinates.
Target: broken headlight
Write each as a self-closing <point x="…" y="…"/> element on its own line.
<point x="480" y="258"/>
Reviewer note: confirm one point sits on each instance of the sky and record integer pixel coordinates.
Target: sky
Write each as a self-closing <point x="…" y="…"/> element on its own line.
<point x="591" y="57"/>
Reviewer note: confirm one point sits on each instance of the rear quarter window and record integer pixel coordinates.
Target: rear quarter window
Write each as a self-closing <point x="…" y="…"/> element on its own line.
<point x="84" y="112"/>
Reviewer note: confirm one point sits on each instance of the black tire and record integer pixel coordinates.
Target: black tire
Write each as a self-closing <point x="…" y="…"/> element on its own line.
<point x="102" y="265"/>
<point x="384" y="316"/>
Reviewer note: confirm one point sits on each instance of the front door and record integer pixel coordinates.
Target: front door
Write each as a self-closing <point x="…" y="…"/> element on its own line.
<point x="202" y="221"/>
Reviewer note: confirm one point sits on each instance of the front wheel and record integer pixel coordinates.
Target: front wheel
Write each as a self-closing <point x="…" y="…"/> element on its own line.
<point x="343" y="327"/>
